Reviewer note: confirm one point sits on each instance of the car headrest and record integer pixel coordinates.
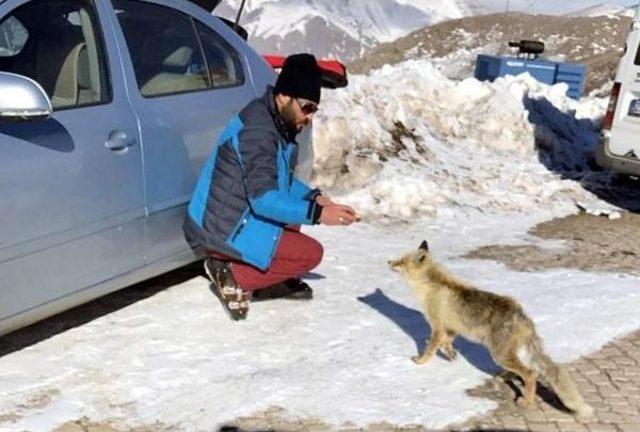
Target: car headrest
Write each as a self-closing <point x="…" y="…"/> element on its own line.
<point x="179" y="59"/>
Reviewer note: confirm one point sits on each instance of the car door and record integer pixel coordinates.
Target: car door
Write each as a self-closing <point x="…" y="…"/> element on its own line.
<point x="188" y="81"/>
<point x="72" y="208"/>
<point x="623" y="142"/>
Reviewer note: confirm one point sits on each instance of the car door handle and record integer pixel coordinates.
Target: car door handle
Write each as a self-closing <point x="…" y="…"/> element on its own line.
<point x="118" y="141"/>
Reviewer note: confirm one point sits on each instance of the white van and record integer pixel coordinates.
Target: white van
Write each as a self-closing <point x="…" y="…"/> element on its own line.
<point x="619" y="148"/>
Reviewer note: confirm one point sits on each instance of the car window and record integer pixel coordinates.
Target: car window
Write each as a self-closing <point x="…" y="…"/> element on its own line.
<point x="164" y="48"/>
<point x="223" y="62"/>
<point x="637" y="60"/>
<point x="58" y="43"/>
<point x="13" y="36"/>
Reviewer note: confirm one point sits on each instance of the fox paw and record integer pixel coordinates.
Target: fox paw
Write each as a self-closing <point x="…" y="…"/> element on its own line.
<point x="418" y="360"/>
<point x="584" y="413"/>
<point x="522" y="402"/>
<point x="451" y="355"/>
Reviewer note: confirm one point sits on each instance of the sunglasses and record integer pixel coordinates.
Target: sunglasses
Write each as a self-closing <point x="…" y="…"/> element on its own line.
<point x="307" y="107"/>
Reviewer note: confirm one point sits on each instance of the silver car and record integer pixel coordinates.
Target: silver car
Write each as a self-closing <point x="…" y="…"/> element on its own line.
<point x="108" y="109"/>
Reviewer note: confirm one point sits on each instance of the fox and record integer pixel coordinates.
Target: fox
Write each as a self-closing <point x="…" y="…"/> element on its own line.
<point x="453" y="307"/>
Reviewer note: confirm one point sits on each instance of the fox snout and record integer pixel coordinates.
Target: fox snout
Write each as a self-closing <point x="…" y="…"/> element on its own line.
<point x="395" y="265"/>
<point x="411" y="261"/>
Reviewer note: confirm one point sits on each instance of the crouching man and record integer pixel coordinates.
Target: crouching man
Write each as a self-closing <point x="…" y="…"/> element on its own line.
<point x="247" y="203"/>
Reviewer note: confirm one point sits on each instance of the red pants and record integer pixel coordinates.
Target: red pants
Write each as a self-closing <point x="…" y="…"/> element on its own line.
<point x="296" y="255"/>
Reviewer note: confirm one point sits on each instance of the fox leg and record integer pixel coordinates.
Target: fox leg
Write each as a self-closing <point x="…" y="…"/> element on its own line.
<point x="507" y="375"/>
<point x="430" y="350"/>
<point x="513" y="364"/>
<point x="447" y="345"/>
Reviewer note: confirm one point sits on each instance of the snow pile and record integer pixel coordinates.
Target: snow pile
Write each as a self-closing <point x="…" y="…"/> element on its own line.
<point x="405" y="141"/>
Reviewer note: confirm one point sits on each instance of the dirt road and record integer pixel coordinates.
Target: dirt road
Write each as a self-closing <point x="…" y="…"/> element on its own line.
<point x="590" y="243"/>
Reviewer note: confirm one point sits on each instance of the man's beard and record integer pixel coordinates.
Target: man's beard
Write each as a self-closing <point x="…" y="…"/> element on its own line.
<point x="289" y="118"/>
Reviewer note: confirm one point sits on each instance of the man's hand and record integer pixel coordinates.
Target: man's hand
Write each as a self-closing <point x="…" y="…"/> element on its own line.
<point x="338" y="214"/>
<point x="323" y="200"/>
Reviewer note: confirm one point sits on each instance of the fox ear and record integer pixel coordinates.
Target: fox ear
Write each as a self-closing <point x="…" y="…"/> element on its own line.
<point x="424" y="246"/>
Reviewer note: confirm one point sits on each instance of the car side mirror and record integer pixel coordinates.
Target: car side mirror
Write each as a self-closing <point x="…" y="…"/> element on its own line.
<point x="22" y="99"/>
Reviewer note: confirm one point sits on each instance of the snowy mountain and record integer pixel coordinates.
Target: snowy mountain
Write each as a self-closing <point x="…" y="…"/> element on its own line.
<point x="595" y="41"/>
<point x="605" y="10"/>
<point x="548" y="7"/>
<point x="337" y="28"/>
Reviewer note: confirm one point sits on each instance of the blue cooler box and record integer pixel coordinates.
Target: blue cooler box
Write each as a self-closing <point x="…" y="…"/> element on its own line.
<point x="488" y="68"/>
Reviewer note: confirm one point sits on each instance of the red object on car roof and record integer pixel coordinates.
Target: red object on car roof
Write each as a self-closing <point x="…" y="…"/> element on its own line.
<point x="334" y="73"/>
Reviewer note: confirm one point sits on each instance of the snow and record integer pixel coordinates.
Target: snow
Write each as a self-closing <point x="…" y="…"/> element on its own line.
<point x="463" y="172"/>
<point x="175" y="358"/>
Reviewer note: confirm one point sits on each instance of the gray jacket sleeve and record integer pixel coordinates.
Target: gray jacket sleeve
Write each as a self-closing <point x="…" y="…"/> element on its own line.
<point x="259" y="152"/>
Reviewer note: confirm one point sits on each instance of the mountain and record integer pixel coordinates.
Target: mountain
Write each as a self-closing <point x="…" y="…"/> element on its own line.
<point x="605" y="10"/>
<point x="547" y="7"/>
<point x="349" y="29"/>
<point x="595" y="41"/>
<point x="342" y="29"/>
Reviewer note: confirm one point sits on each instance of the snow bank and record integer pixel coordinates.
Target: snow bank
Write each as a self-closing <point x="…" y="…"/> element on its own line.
<point x="406" y="141"/>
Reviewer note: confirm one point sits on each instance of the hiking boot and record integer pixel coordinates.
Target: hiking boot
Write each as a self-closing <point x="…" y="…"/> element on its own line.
<point x="234" y="300"/>
<point x="291" y="289"/>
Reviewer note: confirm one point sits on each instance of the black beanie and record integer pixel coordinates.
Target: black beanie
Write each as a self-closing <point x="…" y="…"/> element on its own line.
<point x="300" y="77"/>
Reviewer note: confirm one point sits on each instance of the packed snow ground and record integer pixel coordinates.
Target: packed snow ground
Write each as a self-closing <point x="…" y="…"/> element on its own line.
<point x="175" y="358"/>
<point x="462" y="171"/>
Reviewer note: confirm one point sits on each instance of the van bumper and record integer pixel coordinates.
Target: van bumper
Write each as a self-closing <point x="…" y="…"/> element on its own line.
<point x="615" y="163"/>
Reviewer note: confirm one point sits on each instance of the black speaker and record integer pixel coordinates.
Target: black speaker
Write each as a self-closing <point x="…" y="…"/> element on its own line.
<point x="528" y="46"/>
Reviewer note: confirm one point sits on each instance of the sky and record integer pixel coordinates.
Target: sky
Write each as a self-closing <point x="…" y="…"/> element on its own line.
<point x="552" y="6"/>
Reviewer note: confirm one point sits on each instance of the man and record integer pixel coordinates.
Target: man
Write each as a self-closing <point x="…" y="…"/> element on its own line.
<point x="248" y="202"/>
